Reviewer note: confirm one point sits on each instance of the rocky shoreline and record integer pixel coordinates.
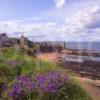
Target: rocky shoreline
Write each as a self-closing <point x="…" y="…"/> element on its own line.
<point x="87" y="68"/>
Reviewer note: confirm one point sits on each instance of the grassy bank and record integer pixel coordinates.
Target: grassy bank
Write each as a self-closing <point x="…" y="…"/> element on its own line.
<point x="47" y="81"/>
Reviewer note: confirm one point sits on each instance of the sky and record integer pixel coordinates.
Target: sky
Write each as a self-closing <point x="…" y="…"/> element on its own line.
<point x="51" y="20"/>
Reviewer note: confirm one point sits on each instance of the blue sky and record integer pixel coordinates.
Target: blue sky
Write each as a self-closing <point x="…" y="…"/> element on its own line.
<point x="19" y="9"/>
<point x="51" y="20"/>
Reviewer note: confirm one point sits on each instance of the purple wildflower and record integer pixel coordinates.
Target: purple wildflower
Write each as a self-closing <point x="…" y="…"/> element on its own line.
<point x="13" y="63"/>
<point x="23" y="83"/>
<point x="50" y="81"/>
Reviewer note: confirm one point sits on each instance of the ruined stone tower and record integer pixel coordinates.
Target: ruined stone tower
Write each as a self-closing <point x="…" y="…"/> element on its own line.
<point x="22" y="41"/>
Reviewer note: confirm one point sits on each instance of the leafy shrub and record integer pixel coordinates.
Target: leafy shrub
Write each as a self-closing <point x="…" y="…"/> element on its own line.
<point x="13" y="72"/>
<point x="50" y="82"/>
<point x="45" y="83"/>
<point x="31" y="79"/>
<point x="47" y="86"/>
<point x="73" y="91"/>
<point x="22" y="87"/>
<point x="3" y="70"/>
<point x="2" y="87"/>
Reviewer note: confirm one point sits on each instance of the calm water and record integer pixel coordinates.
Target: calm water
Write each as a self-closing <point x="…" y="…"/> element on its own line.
<point x="75" y="58"/>
<point x="95" y="46"/>
<point x="84" y="45"/>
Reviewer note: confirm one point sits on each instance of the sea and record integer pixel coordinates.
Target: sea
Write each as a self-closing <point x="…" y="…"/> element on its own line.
<point x="94" y="46"/>
<point x="91" y="46"/>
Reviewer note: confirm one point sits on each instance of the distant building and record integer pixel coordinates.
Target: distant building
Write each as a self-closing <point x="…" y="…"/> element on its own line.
<point x="22" y="41"/>
<point x="46" y="47"/>
<point x="4" y="40"/>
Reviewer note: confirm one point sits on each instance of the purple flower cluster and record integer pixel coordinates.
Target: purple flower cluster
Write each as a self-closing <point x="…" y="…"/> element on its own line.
<point x="23" y="83"/>
<point x="48" y="82"/>
<point x="51" y="81"/>
<point x="2" y="87"/>
<point x="13" y="63"/>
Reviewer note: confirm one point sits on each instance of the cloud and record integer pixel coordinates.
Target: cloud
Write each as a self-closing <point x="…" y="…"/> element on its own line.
<point x="83" y="25"/>
<point x="59" y="3"/>
<point x="35" y="31"/>
<point x="8" y="26"/>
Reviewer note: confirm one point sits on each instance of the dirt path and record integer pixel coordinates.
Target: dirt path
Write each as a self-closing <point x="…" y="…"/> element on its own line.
<point x="50" y="57"/>
<point x="91" y="86"/>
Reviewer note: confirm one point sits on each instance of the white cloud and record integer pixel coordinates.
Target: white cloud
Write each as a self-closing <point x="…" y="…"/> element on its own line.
<point x="59" y="3"/>
<point x="84" y="25"/>
<point x="8" y="26"/>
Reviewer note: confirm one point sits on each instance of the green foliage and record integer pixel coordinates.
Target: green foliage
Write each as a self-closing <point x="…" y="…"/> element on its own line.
<point x="42" y="66"/>
<point x="13" y="72"/>
<point x="3" y="73"/>
<point x="30" y="66"/>
<point x="72" y="90"/>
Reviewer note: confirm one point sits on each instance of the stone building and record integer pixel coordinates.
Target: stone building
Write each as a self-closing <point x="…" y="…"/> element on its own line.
<point x="22" y="41"/>
<point x="46" y="47"/>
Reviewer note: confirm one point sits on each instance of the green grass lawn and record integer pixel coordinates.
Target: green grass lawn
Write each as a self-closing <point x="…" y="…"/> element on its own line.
<point x="14" y="63"/>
